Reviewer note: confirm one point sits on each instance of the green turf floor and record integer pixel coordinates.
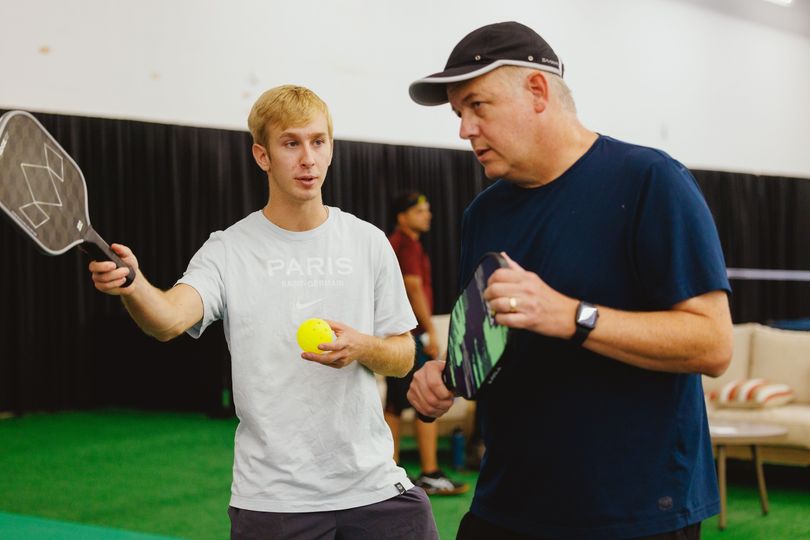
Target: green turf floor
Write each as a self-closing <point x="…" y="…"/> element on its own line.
<point x="100" y="474"/>
<point x="15" y="526"/>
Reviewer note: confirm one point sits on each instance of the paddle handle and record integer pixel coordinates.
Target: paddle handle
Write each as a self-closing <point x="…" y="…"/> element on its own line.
<point x="101" y="250"/>
<point x="425" y="419"/>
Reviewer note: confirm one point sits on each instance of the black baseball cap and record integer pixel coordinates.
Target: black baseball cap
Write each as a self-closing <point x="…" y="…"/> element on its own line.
<point x="483" y="50"/>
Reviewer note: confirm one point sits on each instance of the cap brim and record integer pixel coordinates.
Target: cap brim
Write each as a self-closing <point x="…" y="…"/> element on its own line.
<point x="432" y="90"/>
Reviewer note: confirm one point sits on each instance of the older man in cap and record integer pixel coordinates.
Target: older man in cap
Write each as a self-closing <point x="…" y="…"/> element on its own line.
<point x="617" y="293"/>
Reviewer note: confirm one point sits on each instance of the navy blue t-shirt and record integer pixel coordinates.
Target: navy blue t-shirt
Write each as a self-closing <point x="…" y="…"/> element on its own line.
<point x="579" y="445"/>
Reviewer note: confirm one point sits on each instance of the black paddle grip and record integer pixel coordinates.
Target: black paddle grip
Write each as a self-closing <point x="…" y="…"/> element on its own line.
<point x="425" y="419"/>
<point x="95" y="246"/>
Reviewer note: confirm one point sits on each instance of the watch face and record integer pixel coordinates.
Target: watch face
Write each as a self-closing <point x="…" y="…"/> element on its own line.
<point x="587" y="315"/>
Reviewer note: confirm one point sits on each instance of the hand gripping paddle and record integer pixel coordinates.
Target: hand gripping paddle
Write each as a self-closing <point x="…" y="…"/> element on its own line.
<point x="44" y="193"/>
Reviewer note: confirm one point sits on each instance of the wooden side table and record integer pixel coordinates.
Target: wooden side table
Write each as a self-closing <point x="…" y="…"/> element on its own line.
<point x="727" y="433"/>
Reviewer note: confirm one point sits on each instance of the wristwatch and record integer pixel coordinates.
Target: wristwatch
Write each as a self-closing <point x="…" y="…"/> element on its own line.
<point x="587" y="315"/>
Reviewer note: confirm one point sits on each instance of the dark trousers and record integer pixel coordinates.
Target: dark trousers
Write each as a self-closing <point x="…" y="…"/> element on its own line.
<point x="474" y="528"/>
<point x="404" y="517"/>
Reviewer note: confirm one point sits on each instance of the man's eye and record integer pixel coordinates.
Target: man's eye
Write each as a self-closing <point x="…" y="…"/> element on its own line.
<point x="319" y="142"/>
<point x="476" y="104"/>
<point x="290" y="144"/>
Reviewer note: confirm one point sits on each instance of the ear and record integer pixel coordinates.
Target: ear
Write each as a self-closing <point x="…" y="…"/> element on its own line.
<point x="537" y="85"/>
<point x="261" y="156"/>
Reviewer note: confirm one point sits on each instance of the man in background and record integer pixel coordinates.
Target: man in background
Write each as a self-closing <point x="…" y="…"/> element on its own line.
<point x="412" y="212"/>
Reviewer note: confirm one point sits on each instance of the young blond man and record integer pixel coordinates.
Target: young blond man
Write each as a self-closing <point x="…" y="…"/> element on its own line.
<point x="312" y="456"/>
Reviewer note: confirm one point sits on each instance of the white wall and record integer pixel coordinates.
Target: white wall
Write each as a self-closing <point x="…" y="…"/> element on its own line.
<point x="714" y="91"/>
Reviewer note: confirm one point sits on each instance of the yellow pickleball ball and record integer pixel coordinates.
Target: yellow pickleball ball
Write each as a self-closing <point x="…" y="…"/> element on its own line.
<point x="312" y="333"/>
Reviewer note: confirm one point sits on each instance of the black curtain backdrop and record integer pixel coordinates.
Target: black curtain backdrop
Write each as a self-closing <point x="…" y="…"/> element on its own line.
<point x="163" y="189"/>
<point x="763" y="222"/>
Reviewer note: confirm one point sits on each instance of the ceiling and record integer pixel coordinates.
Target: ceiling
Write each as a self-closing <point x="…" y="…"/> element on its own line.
<point x="794" y="18"/>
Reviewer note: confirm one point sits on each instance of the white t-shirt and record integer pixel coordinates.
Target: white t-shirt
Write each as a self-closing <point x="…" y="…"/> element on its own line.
<point x="310" y="437"/>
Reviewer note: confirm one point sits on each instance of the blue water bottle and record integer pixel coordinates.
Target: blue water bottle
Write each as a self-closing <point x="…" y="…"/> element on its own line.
<point x="457" y="448"/>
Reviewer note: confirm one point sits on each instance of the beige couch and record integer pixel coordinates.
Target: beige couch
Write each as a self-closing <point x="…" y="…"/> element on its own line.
<point x="779" y="356"/>
<point x="461" y="414"/>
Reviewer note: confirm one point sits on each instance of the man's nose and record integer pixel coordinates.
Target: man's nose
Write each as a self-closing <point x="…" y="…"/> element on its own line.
<point x="468" y="128"/>
<point x="307" y="156"/>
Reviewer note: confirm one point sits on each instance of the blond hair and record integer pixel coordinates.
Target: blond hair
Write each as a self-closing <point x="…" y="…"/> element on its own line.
<point x="285" y="106"/>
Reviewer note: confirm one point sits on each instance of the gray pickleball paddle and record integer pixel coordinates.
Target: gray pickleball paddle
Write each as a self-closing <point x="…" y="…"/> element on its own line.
<point x="43" y="191"/>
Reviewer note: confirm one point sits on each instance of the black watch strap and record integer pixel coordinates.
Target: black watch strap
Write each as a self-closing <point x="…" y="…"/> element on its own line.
<point x="580" y="334"/>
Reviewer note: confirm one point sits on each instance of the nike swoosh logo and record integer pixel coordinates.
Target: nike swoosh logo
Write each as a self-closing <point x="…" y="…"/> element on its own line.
<point x="299" y="305"/>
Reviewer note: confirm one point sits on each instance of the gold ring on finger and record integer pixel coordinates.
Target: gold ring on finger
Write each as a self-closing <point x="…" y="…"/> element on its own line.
<point x="512" y="304"/>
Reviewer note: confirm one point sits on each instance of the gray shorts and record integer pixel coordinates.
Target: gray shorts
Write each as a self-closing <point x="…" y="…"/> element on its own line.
<point x="404" y="517"/>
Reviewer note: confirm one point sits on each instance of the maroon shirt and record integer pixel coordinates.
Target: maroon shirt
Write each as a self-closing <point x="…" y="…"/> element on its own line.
<point x="413" y="261"/>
